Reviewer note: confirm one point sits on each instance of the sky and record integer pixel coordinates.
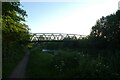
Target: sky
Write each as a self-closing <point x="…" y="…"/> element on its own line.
<point x="76" y="17"/>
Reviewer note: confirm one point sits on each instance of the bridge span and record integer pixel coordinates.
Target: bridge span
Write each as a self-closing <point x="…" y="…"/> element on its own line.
<point x="54" y="37"/>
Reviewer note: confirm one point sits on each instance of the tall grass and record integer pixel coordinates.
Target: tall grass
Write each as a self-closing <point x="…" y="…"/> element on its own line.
<point x="75" y="64"/>
<point x="39" y="65"/>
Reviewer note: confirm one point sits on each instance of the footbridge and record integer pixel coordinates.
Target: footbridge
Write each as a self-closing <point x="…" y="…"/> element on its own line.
<point x="54" y="37"/>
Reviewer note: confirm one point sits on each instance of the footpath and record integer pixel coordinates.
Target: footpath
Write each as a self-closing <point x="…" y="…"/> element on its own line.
<point x="20" y="70"/>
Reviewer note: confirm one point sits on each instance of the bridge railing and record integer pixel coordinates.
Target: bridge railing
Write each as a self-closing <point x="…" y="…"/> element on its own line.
<point x="54" y="36"/>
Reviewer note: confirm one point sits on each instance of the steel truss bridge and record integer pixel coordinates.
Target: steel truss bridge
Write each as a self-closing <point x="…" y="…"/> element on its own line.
<point x="54" y="37"/>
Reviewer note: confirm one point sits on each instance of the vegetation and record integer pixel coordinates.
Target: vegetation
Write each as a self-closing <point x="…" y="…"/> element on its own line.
<point x="39" y="64"/>
<point x="96" y="56"/>
<point x="15" y="33"/>
<point x="107" y="29"/>
<point x="74" y="64"/>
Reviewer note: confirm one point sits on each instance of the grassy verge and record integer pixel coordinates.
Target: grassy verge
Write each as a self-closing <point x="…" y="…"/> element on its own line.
<point x="65" y="64"/>
<point x="11" y="59"/>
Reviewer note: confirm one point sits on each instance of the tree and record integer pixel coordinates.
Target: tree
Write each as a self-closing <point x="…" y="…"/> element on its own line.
<point x="108" y="29"/>
<point x="13" y="27"/>
<point x="15" y="33"/>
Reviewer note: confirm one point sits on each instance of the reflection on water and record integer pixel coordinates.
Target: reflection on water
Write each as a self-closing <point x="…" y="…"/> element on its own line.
<point x="48" y="50"/>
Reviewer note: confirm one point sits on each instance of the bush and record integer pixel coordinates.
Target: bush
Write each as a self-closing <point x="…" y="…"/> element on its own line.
<point x="65" y="64"/>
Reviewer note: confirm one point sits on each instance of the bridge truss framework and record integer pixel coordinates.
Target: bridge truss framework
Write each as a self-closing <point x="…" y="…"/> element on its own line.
<point x="54" y="37"/>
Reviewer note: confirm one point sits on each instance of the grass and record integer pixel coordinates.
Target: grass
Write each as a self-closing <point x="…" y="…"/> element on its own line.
<point x="39" y="65"/>
<point x="65" y="64"/>
<point x="10" y="61"/>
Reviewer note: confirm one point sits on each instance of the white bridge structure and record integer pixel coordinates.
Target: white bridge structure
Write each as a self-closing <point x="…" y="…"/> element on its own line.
<point x="54" y="37"/>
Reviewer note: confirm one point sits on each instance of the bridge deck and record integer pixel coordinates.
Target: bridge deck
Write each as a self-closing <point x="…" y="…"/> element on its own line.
<point x="53" y="41"/>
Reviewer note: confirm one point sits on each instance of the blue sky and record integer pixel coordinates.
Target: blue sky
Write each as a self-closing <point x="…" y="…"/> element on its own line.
<point x="67" y="17"/>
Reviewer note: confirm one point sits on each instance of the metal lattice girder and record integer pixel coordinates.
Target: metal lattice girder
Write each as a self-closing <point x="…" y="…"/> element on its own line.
<point x="54" y="37"/>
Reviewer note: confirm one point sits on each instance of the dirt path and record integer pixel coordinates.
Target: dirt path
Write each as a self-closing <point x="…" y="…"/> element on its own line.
<point x="20" y="70"/>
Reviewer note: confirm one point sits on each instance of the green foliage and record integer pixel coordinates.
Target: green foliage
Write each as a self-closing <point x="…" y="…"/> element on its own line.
<point x="13" y="28"/>
<point x="64" y="60"/>
<point x="15" y="34"/>
<point x="74" y="64"/>
<point x="39" y="65"/>
<point x="107" y="29"/>
<point x="11" y="59"/>
<point x="8" y="7"/>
